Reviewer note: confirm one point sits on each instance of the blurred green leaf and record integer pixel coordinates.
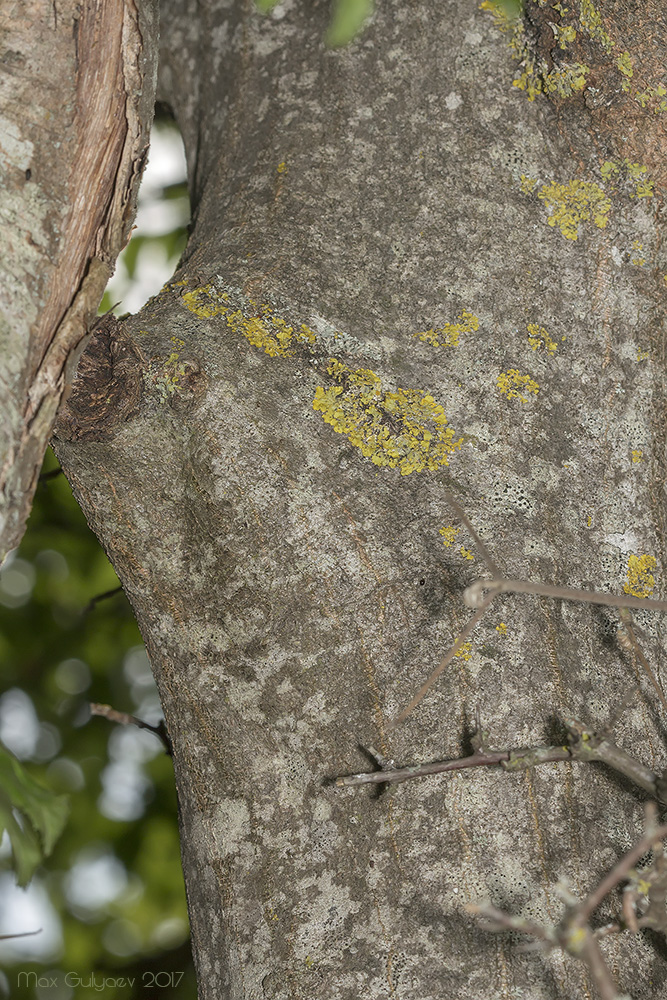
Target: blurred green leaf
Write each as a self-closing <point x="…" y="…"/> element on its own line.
<point x="266" y="5"/>
<point x="42" y="816"/>
<point x="507" y="10"/>
<point x="347" y="19"/>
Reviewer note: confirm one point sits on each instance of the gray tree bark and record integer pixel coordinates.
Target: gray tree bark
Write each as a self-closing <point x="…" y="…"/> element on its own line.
<point x="405" y="280"/>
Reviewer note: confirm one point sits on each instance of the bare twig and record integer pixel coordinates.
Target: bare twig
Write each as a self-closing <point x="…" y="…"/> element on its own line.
<point x="44" y="477"/>
<point x="124" y="719"/>
<point x="6" y="937"/>
<point x="573" y="932"/>
<point x="476" y="594"/>
<point x="480" y="595"/>
<point x="488" y="758"/>
<point x="479" y="544"/>
<point x="447" y="658"/>
<point x="100" y="597"/>
<point x="500" y="920"/>
<point x="629" y="632"/>
<point x="653" y="834"/>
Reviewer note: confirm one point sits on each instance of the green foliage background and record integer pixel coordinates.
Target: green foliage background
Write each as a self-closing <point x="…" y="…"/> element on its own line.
<point x="147" y="923"/>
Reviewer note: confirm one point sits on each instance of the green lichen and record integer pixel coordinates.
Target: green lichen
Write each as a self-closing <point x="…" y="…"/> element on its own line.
<point x="610" y="168"/>
<point x="401" y="428"/>
<point x="590" y="20"/>
<point x="624" y="66"/>
<point x="166" y="376"/>
<point x="536" y="78"/>
<point x="653" y="98"/>
<point x="564" y="34"/>
<point x="513" y="384"/>
<point x="449" y="334"/>
<point x="573" y="203"/>
<point x="640" y="581"/>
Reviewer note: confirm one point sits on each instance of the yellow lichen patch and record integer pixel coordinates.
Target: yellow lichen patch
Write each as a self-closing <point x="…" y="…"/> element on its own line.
<point x="205" y="302"/>
<point x="640" y="582"/>
<point x="642" y="355"/>
<point x="449" y="533"/>
<point x="539" y="337"/>
<point x="637" y="246"/>
<point x="591" y="21"/>
<point x="402" y="428"/>
<point x="565" y="81"/>
<point x="281" y="168"/>
<point x="564" y="34"/>
<point x="449" y="334"/>
<point x="513" y="384"/>
<point x="306" y="335"/>
<point x="636" y="173"/>
<point x="637" y="455"/>
<point x="273" y="337"/>
<point x="573" y="203"/>
<point x="257" y="323"/>
<point x="466" y="553"/>
<point x="528" y="184"/>
<point x="465" y="652"/>
<point x="501" y="629"/>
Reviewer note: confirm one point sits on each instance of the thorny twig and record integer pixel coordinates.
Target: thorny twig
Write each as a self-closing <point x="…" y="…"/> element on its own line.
<point x="584" y="745"/>
<point x="481" y="594"/>
<point x="574" y="933"/>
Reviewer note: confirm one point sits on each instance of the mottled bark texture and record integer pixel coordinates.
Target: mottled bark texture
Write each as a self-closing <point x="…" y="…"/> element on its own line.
<point x="405" y="278"/>
<point x="77" y="91"/>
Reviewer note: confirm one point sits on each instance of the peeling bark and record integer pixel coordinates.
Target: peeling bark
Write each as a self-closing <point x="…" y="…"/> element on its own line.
<point x="85" y="75"/>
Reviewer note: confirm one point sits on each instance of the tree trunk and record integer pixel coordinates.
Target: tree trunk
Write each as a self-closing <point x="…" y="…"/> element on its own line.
<point x="406" y="280"/>
<point x="76" y="103"/>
